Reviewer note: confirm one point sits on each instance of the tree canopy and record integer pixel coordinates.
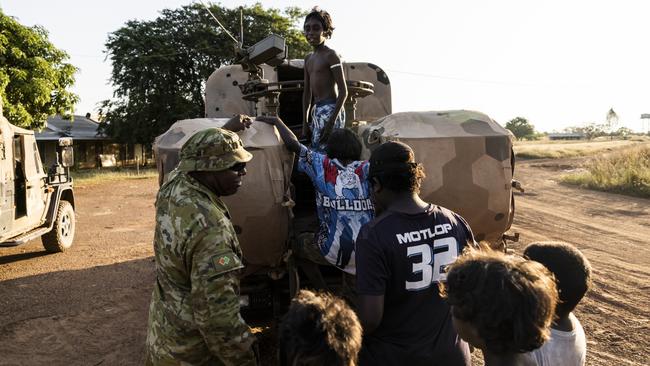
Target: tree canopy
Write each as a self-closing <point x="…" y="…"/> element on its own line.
<point x="611" y="120"/>
<point x="34" y="75"/>
<point x="160" y="66"/>
<point x="521" y="128"/>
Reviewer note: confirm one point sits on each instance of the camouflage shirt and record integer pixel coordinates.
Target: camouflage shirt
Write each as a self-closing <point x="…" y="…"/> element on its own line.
<point x="194" y="313"/>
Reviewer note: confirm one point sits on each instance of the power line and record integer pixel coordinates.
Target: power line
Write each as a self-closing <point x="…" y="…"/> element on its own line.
<point x="494" y="82"/>
<point x="461" y="79"/>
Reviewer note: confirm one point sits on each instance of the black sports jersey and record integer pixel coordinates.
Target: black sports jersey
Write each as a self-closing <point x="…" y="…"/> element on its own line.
<point x="403" y="257"/>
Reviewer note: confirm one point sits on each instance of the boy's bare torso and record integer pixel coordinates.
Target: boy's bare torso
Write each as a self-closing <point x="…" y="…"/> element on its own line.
<point x="321" y="79"/>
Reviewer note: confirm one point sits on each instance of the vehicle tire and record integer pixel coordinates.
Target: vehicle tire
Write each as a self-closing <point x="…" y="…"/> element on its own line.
<point x="60" y="238"/>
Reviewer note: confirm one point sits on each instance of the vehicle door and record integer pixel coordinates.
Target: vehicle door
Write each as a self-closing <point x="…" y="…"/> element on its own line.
<point x="6" y="185"/>
<point x="34" y="179"/>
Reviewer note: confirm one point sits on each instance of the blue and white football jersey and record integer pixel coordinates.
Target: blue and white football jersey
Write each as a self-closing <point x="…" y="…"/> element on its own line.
<point x="343" y="204"/>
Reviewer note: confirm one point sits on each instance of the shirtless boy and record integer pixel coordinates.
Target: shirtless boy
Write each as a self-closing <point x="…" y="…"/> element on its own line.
<point x="323" y="78"/>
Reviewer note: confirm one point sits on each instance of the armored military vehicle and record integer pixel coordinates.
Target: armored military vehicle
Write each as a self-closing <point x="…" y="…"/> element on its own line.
<point x="34" y="202"/>
<point x="467" y="156"/>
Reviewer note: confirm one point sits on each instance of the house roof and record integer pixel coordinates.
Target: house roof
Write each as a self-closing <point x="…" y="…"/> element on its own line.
<point x="566" y="135"/>
<point x="81" y="128"/>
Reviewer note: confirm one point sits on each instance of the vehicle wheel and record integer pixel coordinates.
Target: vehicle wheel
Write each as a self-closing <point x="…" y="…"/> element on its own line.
<point x="62" y="234"/>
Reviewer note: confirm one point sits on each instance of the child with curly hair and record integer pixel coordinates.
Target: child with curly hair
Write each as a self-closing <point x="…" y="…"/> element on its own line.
<point x="319" y="330"/>
<point x="572" y="271"/>
<point x="501" y="304"/>
<point x="324" y="82"/>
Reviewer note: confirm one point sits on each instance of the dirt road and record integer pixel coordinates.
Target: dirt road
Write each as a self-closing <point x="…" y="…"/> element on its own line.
<point x="613" y="231"/>
<point x="89" y="306"/>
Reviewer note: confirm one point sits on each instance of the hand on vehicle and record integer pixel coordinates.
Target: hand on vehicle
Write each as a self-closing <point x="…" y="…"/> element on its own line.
<point x="238" y="122"/>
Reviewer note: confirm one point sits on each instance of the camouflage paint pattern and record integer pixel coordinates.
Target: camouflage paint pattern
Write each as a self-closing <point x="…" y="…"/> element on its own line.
<point x="467" y="156"/>
<point x="194" y="315"/>
<point x="212" y="149"/>
<point x="378" y="104"/>
<point x="467" y="159"/>
<point x="223" y="97"/>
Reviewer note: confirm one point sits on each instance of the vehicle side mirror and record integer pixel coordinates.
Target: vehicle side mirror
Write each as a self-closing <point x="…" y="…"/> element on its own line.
<point x="67" y="156"/>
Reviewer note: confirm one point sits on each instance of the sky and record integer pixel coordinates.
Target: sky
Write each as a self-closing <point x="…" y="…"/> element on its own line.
<point x="557" y="63"/>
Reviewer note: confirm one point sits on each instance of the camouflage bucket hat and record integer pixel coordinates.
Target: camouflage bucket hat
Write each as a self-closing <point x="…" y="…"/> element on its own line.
<point x="213" y="149"/>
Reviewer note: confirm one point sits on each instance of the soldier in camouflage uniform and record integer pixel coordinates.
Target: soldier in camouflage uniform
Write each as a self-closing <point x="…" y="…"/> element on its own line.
<point x="194" y="316"/>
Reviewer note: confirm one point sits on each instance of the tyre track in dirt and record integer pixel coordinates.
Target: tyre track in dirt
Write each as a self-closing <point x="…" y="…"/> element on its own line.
<point x="612" y="231"/>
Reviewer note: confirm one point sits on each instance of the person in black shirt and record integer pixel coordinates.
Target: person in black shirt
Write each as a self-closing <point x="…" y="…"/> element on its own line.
<point x="401" y="256"/>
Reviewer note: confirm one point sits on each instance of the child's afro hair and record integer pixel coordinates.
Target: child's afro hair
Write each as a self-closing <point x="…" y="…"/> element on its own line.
<point x="570" y="267"/>
<point x="324" y="18"/>
<point x="508" y="300"/>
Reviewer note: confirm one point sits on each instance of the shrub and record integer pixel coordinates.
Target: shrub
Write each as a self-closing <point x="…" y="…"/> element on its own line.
<point x="626" y="172"/>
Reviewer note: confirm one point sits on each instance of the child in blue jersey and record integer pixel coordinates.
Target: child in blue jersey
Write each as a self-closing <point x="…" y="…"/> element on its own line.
<point x="342" y="192"/>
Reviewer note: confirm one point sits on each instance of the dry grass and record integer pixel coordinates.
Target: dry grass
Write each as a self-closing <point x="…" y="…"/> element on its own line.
<point x="96" y="176"/>
<point x="568" y="149"/>
<point x="626" y="172"/>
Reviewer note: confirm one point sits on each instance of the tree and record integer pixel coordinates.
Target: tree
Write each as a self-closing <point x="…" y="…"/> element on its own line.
<point x="521" y="128"/>
<point x="160" y="67"/>
<point x="612" y="120"/>
<point x="623" y="132"/>
<point x="34" y="77"/>
<point x="590" y="130"/>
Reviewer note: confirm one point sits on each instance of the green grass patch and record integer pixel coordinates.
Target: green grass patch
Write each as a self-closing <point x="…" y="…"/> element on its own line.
<point x="98" y="176"/>
<point x="551" y="153"/>
<point x="626" y="172"/>
<point x="569" y="149"/>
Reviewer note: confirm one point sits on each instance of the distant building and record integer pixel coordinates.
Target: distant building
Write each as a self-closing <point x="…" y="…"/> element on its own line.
<point x="566" y="136"/>
<point x="91" y="148"/>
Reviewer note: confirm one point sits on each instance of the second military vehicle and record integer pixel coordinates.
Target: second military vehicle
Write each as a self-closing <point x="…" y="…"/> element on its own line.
<point x="34" y="202"/>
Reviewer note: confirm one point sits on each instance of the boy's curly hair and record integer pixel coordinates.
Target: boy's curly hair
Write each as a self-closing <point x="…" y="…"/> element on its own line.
<point x="508" y="300"/>
<point x="324" y="18"/>
<point x="570" y="267"/>
<point x="319" y="329"/>
<point x="393" y="165"/>
<point x="343" y="144"/>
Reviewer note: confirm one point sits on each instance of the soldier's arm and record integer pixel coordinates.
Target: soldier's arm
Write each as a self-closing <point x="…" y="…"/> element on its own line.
<point x="306" y="101"/>
<point x="215" y="299"/>
<point x="336" y="66"/>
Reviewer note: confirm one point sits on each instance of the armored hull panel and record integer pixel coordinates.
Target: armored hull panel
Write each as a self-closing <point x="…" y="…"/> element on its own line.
<point x="258" y="210"/>
<point x="223" y="96"/>
<point x="467" y="159"/>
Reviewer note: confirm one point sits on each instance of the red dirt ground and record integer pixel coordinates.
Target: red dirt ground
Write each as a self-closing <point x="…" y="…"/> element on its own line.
<point x="88" y="306"/>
